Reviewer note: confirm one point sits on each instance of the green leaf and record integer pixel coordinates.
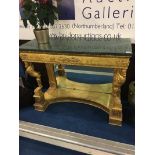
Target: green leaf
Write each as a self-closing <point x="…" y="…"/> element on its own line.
<point x="26" y="13"/>
<point x="25" y="22"/>
<point x="51" y="20"/>
<point x="39" y="14"/>
<point x="55" y="9"/>
<point x="33" y="21"/>
<point x="46" y="21"/>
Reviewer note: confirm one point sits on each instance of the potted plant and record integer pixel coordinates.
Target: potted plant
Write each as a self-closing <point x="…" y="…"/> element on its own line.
<point x="40" y="14"/>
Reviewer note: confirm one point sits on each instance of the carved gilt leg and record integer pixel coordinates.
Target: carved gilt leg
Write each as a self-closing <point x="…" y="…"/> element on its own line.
<point x="61" y="70"/>
<point x="52" y="82"/>
<point x="115" y="114"/>
<point x="38" y="94"/>
<point x="51" y="75"/>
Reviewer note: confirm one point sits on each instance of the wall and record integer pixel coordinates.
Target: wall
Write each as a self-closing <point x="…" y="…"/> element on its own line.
<point x="90" y="18"/>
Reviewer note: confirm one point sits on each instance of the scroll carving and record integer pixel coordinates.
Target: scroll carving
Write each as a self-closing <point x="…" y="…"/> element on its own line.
<point x="118" y="80"/>
<point x="115" y="115"/>
<point x="38" y="94"/>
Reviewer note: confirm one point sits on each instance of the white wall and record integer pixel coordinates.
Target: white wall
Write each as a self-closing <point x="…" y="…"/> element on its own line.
<point x="107" y="18"/>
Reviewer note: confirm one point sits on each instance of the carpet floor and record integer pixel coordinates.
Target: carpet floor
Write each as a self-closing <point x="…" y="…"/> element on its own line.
<point x="78" y="118"/>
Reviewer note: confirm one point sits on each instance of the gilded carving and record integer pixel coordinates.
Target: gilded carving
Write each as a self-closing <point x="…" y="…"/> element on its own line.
<point x="51" y="75"/>
<point x="116" y="108"/>
<point x="116" y="113"/>
<point x="38" y="94"/>
<point x="30" y="70"/>
<point x="118" y="79"/>
<point x="61" y="70"/>
<point x="70" y="60"/>
<point x="122" y="62"/>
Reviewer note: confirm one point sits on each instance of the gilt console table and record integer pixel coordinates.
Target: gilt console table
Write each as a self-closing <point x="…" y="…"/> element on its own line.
<point x="113" y="53"/>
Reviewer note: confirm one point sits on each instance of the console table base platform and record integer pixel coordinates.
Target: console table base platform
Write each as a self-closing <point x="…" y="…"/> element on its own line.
<point x="97" y="95"/>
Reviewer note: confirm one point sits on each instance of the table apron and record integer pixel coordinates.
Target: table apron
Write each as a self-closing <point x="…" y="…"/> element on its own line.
<point x="108" y="61"/>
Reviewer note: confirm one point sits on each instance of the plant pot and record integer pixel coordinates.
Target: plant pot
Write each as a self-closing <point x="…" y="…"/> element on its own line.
<point x="44" y="46"/>
<point x="42" y="35"/>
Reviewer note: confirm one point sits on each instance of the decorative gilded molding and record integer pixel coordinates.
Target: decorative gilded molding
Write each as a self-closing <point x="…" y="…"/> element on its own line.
<point x="96" y="61"/>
